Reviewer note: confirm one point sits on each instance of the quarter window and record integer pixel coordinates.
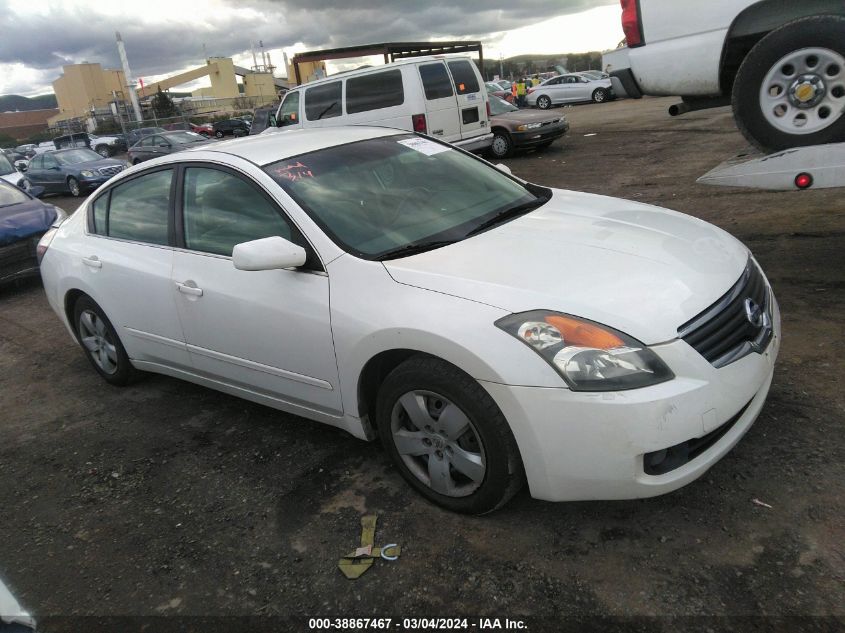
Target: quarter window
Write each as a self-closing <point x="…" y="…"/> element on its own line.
<point x="323" y="102"/>
<point x="464" y="77"/>
<point x="435" y="81"/>
<point x="221" y="210"/>
<point x="375" y="91"/>
<point x="139" y="209"/>
<point x="99" y="208"/>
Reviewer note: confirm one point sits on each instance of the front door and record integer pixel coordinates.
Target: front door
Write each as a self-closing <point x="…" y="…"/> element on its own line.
<point x="266" y="331"/>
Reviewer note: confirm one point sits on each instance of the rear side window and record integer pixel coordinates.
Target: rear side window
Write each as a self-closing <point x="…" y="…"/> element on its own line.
<point x="323" y="102"/>
<point x="435" y="81"/>
<point x="464" y="76"/>
<point x="375" y="91"/>
<point x="139" y="209"/>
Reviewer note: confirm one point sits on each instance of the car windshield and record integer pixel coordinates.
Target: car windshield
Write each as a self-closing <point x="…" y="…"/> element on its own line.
<point x="73" y="156"/>
<point x="11" y="195"/>
<point x="183" y="138"/>
<point x="500" y="106"/>
<point x="389" y="196"/>
<point x="5" y="166"/>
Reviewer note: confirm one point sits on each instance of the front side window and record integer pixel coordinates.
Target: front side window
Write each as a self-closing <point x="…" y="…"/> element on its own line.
<point x="323" y="102"/>
<point x="221" y="210"/>
<point x="36" y="163"/>
<point x="49" y="162"/>
<point x="381" y="195"/>
<point x="140" y="207"/>
<point x="374" y="91"/>
<point x="436" y="81"/>
<point x="463" y="75"/>
<point x="289" y="113"/>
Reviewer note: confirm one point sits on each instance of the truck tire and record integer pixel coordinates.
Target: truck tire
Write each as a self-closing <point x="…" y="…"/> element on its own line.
<point x="790" y="89"/>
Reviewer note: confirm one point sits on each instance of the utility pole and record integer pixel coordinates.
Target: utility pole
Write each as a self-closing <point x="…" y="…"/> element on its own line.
<point x="133" y="96"/>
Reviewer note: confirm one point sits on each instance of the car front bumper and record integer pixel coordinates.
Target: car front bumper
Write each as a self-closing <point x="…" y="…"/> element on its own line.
<point x="595" y="445"/>
<point x="532" y="138"/>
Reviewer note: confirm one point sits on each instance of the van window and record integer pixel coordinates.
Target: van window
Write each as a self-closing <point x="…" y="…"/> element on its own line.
<point x="435" y="81"/>
<point x="323" y="102"/>
<point x="371" y="92"/>
<point x="289" y="113"/>
<point x="464" y="75"/>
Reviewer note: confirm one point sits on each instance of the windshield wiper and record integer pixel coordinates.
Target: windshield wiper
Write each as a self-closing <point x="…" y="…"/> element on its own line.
<point x="413" y="249"/>
<point x="507" y="214"/>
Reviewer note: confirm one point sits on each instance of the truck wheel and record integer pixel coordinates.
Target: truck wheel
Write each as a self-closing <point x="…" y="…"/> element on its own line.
<point x="790" y="89"/>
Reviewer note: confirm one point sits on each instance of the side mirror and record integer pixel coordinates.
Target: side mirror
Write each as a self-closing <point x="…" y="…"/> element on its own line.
<point x="504" y="168"/>
<point x="269" y="253"/>
<point x="21" y="165"/>
<point x="36" y="192"/>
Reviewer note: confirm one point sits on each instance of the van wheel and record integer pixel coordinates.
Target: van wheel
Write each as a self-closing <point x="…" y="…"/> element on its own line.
<point x="544" y="102"/>
<point x="599" y="95"/>
<point x="447" y="437"/>
<point x="502" y="145"/>
<point x="790" y="89"/>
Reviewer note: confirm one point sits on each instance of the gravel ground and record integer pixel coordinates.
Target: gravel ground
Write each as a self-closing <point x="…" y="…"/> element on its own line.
<point x="166" y="498"/>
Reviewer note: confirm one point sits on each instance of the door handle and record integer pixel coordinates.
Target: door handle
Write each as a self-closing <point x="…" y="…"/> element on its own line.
<point x="93" y="261"/>
<point x="189" y="290"/>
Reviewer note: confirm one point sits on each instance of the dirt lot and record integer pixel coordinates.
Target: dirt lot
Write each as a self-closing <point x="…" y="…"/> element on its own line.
<point x="170" y="499"/>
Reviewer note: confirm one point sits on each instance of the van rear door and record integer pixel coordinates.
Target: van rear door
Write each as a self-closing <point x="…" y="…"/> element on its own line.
<point x="441" y="106"/>
<point x="471" y="100"/>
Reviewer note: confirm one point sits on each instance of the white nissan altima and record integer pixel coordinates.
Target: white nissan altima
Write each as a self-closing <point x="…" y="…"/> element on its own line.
<point x="490" y="331"/>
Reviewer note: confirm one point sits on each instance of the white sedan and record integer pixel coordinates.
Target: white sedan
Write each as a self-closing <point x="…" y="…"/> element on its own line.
<point x="489" y="330"/>
<point x="570" y="88"/>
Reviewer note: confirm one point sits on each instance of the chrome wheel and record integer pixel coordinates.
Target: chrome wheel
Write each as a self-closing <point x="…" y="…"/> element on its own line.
<point x="97" y="341"/>
<point x="544" y="103"/>
<point x="73" y="185"/>
<point x="804" y="91"/>
<point x="438" y="443"/>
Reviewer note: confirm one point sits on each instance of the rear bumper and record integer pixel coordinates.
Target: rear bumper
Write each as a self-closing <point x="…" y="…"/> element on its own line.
<point x="476" y="143"/>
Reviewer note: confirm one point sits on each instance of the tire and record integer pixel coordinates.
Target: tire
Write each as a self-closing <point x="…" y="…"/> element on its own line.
<point x="476" y="439"/>
<point x="544" y="102"/>
<point x="766" y="109"/>
<point x="218" y="134"/>
<point x="502" y="145"/>
<point x="599" y="95"/>
<point x="101" y="344"/>
<point x="73" y="187"/>
<point x="103" y="150"/>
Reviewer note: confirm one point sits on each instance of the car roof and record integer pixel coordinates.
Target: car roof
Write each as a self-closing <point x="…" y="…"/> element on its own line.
<point x="266" y="148"/>
<point x="346" y="74"/>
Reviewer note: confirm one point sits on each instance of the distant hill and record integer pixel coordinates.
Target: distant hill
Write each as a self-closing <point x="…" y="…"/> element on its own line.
<point x="17" y="102"/>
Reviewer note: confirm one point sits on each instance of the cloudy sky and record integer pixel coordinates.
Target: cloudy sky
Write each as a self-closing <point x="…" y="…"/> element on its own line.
<point x="166" y="36"/>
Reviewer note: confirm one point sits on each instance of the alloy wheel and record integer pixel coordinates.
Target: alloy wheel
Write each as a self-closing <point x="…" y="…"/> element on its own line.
<point x="97" y="341"/>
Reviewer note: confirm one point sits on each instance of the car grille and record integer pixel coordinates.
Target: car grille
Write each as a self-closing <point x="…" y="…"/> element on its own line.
<point x="110" y="171"/>
<point x="18" y="258"/>
<point x="737" y="324"/>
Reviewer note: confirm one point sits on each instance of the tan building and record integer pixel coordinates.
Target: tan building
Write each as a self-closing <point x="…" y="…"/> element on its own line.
<point x="82" y="87"/>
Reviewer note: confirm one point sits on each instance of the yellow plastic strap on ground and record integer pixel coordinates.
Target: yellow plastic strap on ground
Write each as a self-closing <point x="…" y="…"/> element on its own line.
<point x="353" y="565"/>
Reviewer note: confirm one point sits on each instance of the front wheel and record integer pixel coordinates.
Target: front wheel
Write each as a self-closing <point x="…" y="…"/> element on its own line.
<point x="502" y="145"/>
<point x="790" y="89"/>
<point x="544" y="102"/>
<point x="447" y="437"/>
<point x="599" y="95"/>
<point x="218" y="134"/>
<point x="101" y="343"/>
<point x="73" y="187"/>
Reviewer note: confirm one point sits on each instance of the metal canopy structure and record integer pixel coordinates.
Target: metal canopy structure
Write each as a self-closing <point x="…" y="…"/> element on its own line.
<point x="391" y="52"/>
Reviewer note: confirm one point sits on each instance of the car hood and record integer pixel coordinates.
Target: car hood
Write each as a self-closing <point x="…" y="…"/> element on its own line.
<point x="526" y="116"/>
<point x="18" y="221"/>
<point x="640" y="269"/>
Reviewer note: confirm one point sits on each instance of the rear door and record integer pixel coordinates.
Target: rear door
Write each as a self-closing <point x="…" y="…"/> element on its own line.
<point x="441" y="105"/>
<point x="471" y="105"/>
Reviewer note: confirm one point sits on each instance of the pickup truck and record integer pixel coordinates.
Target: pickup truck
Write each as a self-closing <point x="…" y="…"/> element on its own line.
<point x="779" y="63"/>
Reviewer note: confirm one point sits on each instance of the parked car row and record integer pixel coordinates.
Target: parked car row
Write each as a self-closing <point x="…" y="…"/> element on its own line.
<point x="75" y="171"/>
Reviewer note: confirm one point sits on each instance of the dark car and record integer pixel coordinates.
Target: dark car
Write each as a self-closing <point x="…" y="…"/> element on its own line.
<point x="133" y="136"/>
<point x="77" y="170"/>
<point x="163" y="144"/>
<point x="23" y="220"/>
<point x="262" y="119"/>
<point x="522" y="129"/>
<point x="236" y="127"/>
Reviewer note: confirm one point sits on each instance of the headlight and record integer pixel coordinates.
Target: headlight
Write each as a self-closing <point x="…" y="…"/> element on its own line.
<point x="528" y="126"/>
<point x="87" y="173"/>
<point x="589" y="356"/>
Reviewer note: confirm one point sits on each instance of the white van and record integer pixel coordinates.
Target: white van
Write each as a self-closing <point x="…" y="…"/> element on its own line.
<point x="438" y="96"/>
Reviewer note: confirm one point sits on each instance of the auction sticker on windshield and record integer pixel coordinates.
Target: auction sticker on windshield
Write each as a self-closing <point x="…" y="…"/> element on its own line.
<point x="424" y="146"/>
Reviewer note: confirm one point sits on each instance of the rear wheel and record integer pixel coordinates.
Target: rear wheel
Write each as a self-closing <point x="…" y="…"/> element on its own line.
<point x="502" y="145"/>
<point x="73" y="187"/>
<point x="447" y="437"/>
<point x="103" y="150"/>
<point x="101" y="343"/>
<point x="544" y="102"/>
<point x="790" y="89"/>
<point x="599" y="95"/>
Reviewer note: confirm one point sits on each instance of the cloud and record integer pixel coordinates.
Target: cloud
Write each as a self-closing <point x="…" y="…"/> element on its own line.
<point x="162" y="37"/>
